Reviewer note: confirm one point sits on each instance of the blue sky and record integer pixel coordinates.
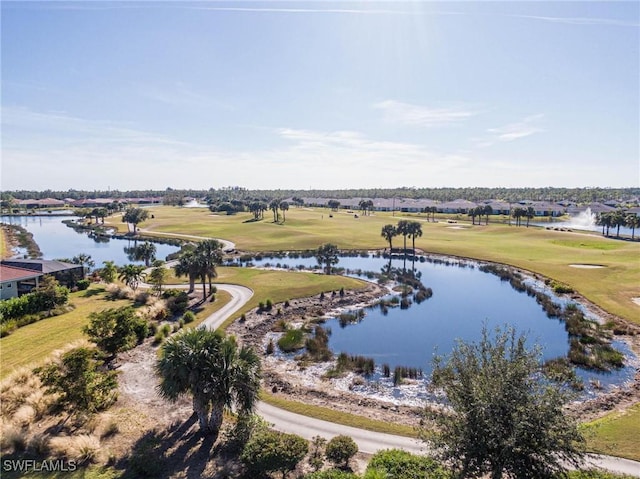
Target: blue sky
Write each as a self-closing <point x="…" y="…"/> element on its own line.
<point x="137" y="95"/>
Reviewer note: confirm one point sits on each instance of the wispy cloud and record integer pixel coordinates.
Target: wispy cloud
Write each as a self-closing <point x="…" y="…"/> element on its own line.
<point x="416" y="115"/>
<point x="512" y="131"/>
<point x="580" y="20"/>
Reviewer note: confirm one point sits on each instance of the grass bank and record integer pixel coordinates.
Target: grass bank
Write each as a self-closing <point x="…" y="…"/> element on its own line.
<point x="33" y="343"/>
<point x="616" y="434"/>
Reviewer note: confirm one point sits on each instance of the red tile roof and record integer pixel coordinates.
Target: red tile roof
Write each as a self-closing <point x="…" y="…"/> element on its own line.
<point x="9" y="273"/>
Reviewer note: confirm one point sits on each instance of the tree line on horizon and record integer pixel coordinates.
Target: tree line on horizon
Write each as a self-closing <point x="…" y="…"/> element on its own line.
<point x="174" y="196"/>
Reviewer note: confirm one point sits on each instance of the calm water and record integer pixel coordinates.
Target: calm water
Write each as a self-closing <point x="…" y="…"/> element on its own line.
<point x="464" y="299"/>
<point x="56" y="240"/>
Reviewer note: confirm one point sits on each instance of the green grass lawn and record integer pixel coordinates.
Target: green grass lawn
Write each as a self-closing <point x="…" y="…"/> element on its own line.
<point x="549" y="253"/>
<point x="279" y="286"/>
<point x="617" y="434"/>
<point x="31" y="344"/>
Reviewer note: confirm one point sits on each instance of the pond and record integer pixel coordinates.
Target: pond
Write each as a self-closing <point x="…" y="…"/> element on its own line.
<point x="464" y="300"/>
<point x="57" y="240"/>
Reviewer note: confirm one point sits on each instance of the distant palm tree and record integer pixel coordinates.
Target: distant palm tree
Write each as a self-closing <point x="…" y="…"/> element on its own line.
<point x="284" y="206"/>
<point x="132" y="275"/>
<point x="214" y="370"/>
<point x="529" y="213"/>
<point x="618" y="220"/>
<point x="145" y="252"/>
<point x="633" y="222"/>
<point x="273" y="206"/>
<point x="415" y="229"/>
<point x="388" y="232"/>
<point x="403" y="229"/>
<point x="188" y="266"/>
<point x="208" y="255"/>
<point x="487" y="210"/>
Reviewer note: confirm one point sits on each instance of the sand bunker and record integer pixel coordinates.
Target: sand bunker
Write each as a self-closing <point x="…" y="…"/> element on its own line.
<point x="458" y="227"/>
<point x="587" y="266"/>
<point x="636" y="300"/>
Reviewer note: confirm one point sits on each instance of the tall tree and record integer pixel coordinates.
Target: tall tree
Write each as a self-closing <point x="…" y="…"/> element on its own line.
<point x="529" y="213"/>
<point x="135" y="216"/>
<point x="208" y="255"/>
<point x="109" y="272"/>
<point x="273" y="206"/>
<point x="158" y="277"/>
<point x="632" y="220"/>
<point x="144" y="252"/>
<point x="327" y="256"/>
<point x="132" y="275"/>
<point x="388" y="232"/>
<point x="414" y="229"/>
<point x="403" y="229"/>
<point x="188" y="266"/>
<point x="284" y="206"/>
<point x="618" y="220"/>
<point x="487" y="210"/>
<point x="505" y="418"/>
<point x="85" y="261"/>
<point x="214" y="370"/>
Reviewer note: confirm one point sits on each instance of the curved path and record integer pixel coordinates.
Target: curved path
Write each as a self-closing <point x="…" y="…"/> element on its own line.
<point x="368" y="441"/>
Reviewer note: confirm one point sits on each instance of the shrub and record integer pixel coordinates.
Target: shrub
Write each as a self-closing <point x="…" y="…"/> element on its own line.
<point x="189" y="317"/>
<point x="400" y="464"/>
<point x="316" y="458"/>
<point x="292" y="340"/>
<point x="340" y="450"/>
<point x="273" y="451"/>
<point x="83" y="284"/>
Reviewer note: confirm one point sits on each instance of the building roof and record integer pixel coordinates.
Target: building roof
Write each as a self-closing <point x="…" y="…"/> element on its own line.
<point x="43" y="266"/>
<point x="9" y="273"/>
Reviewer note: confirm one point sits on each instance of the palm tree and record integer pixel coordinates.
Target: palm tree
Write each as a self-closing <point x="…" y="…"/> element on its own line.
<point x="273" y="206"/>
<point x="633" y="222"/>
<point x="145" y="252"/>
<point x="208" y="256"/>
<point x="618" y="220"/>
<point x="529" y="213"/>
<point x="109" y="271"/>
<point x="415" y="229"/>
<point x="158" y="277"/>
<point x="188" y="266"/>
<point x="214" y="370"/>
<point x="84" y="260"/>
<point x="403" y="229"/>
<point x="487" y="210"/>
<point x="284" y="206"/>
<point x="132" y="275"/>
<point x="388" y="232"/>
<point x="327" y="255"/>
